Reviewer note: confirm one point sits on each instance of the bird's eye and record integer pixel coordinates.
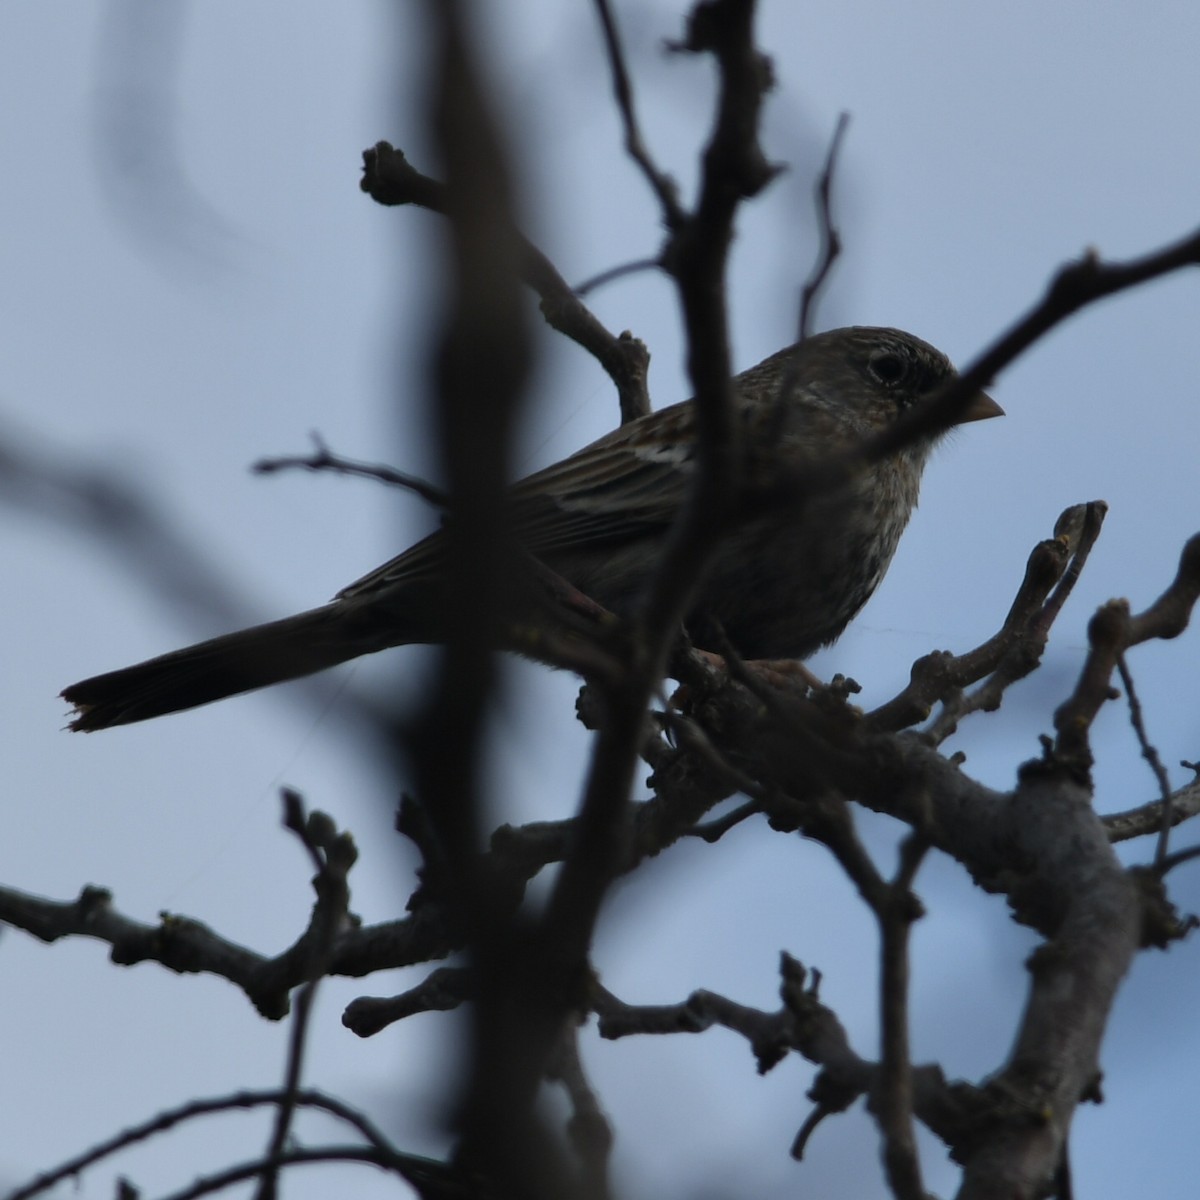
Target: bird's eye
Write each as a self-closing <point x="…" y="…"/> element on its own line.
<point x="888" y="367"/>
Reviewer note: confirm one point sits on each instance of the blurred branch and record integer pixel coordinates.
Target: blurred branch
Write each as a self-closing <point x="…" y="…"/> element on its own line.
<point x="102" y="505"/>
<point x="482" y="355"/>
<point x="588" y="1128"/>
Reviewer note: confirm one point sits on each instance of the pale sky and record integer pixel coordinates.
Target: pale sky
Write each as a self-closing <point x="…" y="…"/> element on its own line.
<point x="190" y="279"/>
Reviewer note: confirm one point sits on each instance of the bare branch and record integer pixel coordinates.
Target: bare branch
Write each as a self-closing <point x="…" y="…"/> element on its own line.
<point x="1111" y="631"/>
<point x="831" y="242"/>
<point x="1148" y="818"/>
<point x="306" y="1098"/>
<point x="323" y="459"/>
<point x="696" y="257"/>
<point x="389" y="178"/>
<point x="430" y="1179"/>
<point x="1076" y="286"/>
<point x="807" y="1026"/>
<point x="443" y="990"/>
<point x="333" y="855"/>
<point x="892" y="1099"/>
<point x="1169" y="615"/>
<point x="619" y="272"/>
<point x="589" y="1130"/>
<point x="1150" y="754"/>
<point x="1170" y="861"/>
<point x="1010" y="654"/>
<point x="663" y="186"/>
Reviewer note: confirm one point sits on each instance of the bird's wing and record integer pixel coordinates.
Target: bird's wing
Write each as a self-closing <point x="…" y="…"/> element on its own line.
<point x="626" y="485"/>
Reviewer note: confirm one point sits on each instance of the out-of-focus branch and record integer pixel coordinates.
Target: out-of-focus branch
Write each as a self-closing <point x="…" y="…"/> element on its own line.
<point x="588" y="1128"/>
<point x="103" y="506"/>
<point x="480" y="364"/>
<point x="429" y="1179"/>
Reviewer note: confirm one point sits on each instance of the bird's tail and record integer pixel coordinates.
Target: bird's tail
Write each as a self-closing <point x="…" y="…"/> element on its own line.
<point x="224" y="666"/>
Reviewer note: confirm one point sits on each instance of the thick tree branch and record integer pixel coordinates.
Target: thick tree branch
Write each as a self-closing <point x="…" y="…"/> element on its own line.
<point x="697" y="260"/>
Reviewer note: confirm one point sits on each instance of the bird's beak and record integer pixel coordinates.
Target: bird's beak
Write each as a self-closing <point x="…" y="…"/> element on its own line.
<point x="980" y="408"/>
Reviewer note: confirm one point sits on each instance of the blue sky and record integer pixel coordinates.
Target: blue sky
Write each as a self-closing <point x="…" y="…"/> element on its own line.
<point x="190" y="280"/>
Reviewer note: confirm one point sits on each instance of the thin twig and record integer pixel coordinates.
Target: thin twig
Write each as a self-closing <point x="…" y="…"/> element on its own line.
<point x="333" y="854"/>
<point x="1170" y="861"/>
<point x="431" y="1180"/>
<point x="189" y="1111"/>
<point x="1150" y="754"/>
<point x="1079" y="526"/>
<point x="831" y="241"/>
<point x="323" y="459"/>
<point x="1075" y="286"/>
<point x="662" y="184"/>
<point x="618" y="272"/>
<point x="390" y="179"/>
<point x="894" y="1101"/>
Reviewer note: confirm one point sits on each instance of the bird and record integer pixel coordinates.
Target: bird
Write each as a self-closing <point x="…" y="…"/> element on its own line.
<point x="789" y="573"/>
